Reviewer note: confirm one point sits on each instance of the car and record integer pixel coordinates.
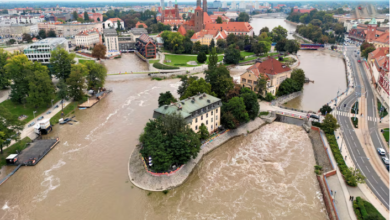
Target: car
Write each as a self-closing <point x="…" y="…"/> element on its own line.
<point x="56" y="106"/>
<point x="31" y="124"/>
<point x="48" y="112"/>
<point x="359" y="61"/>
<point x="381" y="151"/>
<point x="40" y="118"/>
<point x="385" y="160"/>
<point x="358" y="52"/>
<point x="314" y="117"/>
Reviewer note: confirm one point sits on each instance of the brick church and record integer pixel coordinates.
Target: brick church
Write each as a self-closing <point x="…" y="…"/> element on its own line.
<point x="170" y="14"/>
<point x="199" y="18"/>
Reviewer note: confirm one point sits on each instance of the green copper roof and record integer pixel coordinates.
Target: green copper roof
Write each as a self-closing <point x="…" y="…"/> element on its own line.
<point x="354" y="26"/>
<point x="175" y="2"/>
<point x="187" y="106"/>
<point x="373" y="21"/>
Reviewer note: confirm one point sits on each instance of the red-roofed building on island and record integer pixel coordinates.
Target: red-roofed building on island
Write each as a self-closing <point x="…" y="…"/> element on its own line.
<point x="273" y="71"/>
<point x="205" y="36"/>
<point x="146" y="46"/>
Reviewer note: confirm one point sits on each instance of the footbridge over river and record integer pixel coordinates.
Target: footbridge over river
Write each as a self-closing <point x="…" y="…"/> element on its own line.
<point x="270" y="15"/>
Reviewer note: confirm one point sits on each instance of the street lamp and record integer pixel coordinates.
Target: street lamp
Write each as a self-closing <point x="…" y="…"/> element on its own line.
<point x="52" y="102"/>
<point x="34" y="113"/>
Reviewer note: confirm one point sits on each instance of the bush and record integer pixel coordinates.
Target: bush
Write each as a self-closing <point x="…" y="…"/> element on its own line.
<point x="384" y="112"/>
<point x="357" y="108"/>
<point x="357" y="211"/>
<point x="325" y="109"/>
<point x="372" y="211"/>
<point x="164" y="67"/>
<point x="264" y="113"/>
<point x="201" y="57"/>
<point x="362" y="209"/>
<point x="269" y="97"/>
<point x="355" y="121"/>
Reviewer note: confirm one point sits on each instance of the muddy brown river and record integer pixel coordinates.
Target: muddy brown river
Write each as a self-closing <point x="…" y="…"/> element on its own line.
<point x="260" y="176"/>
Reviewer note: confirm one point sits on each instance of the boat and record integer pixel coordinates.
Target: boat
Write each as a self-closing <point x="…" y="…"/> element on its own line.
<point x="64" y="121"/>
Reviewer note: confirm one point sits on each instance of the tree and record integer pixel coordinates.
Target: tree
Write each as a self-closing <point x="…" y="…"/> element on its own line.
<point x="316" y="22"/>
<point x="86" y="17"/>
<point x="232" y="55"/>
<point x="61" y="61"/>
<point x="142" y="26"/>
<point x="236" y="106"/>
<point x="41" y="89"/>
<point x="298" y="75"/>
<point x="4" y="77"/>
<point x="212" y="44"/>
<point x="197" y="46"/>
<point x="97" y="74"/>
<point x="190" y="33"/>
<point x="99" y="51"/>
<point x="325" y="109"/>
<point x="203" y="132"/>
<point x="357" y="174"/>
<point x="220" y="80"/>
<point x="292" y="46"/>
<point x="75" y="15"/>
<point x="251" y="104"/>
<point x="367" y="51"/>
<point x="261" y="86"/>
<point x="201" y="57"/>
<point x="184" y="16"/>
<point x="219" y="20"/>
<point x="10" y="126"/>
<point x="264" y="47"/>
<point x="280" y="45"/>
<point x="166" y="99"/>
<point x="18" y="69"/>
<point x="231" y="39"/>
<point x="42" y="34"/>
<point x="169" y="141"/>
<point x="51" y="33"/>
<point x="93" y="10"/>
<point x="287" y="86"/>
<point x="27" y="37"/>
<point x="11" y="41"/>
<point x="185" y="81"/>
<point x="329" y="125"/>
<point x="119" y="26"/>
<point x="98" y="19"/>
<point x="221" y="43"/>
<point x="197" y="86"/>
<point x="269" y="97"/>
<point x="76" y="81"/>
<point x="264" y="30"/>
<point x="63" y="90"/>
<point x="278" y="33"/>
<point x="243" y="17"/>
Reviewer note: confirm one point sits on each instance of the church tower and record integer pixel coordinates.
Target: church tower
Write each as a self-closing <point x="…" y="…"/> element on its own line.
<point x="205" y="6"/>
<point x="177" y="16"/>
<point x="198" y="19"/>
<point x="371" y="30"/>
<point x="198" y="3"/>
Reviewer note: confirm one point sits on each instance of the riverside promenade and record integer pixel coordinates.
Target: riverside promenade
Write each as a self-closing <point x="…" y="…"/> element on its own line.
<point x="143" y="180"/>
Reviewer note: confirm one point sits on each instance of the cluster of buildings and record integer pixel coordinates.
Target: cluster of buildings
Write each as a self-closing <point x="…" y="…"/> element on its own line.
<point x="371" y="33"/>
<point x="378" y="65"/>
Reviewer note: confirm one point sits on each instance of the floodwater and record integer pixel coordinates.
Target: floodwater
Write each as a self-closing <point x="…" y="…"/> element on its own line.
<point x="328" y="72"/>
<point x="260" y="176"/>
<point x="259" y="23"/>
<point x="129" y="62"/>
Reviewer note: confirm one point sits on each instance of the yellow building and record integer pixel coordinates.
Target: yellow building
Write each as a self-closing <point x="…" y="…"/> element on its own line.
<point x="196" y="110"/>
<point x="205" y="36"/>
<point x="271" y="69"/>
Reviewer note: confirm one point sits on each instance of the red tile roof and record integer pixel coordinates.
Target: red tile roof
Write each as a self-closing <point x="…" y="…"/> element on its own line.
<point x="206" y="18"/>
<point x="145" y="38"/>
<point x="202" y="33"/>
<point x="115" y="19"/>
<point x="271" y="66"/>
<point x="383" y="38"/>
<point x="230" y="27"/>
<point x="254" y="69"/>
<point x="140" y="23"/>
<point x="302" y="10"/>
<point x="380" y="52"/>
<point x="182" y="30"/>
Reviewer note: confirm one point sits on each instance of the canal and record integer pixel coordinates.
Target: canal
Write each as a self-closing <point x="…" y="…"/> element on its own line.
<point x="85" y="176"/>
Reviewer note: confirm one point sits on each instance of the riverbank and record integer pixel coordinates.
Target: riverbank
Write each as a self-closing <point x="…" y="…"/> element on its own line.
<point x="290" y="22"/>
<point x="143" y="180"/>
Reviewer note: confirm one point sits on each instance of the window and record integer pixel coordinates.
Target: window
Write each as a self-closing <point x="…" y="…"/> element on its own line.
<point x="211" y="119"/>
<point x="207" y="115"/>
<point x="207" y="122"/>
<point x="249" y="81"/>
<point x="196" y="127"/>
<point x="212" y="112"/>
<point x="243" y="80"/>
<point x="216" y="117"/>
<point x="196" y="120"/>
<point x="216" y="110"/>
<point x="201" y="117"/>
<point x="216" y="124"/>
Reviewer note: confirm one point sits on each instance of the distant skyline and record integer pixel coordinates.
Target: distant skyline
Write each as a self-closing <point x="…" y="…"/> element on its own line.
<point x="157" y="1"/>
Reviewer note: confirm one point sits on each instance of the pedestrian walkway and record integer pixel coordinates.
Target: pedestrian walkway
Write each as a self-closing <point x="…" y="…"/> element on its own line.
<point x="338" y="197"/>
<point x="350" y="115"/>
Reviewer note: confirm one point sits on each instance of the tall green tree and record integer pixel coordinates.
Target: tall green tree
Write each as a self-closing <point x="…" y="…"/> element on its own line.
<point x="201" y="58"/>
<point x="75" y="15"/>
<point x="231" y="39"/>
<point x="18" y="69"/>
<point x="86" y="17"/>
<point x="298" y="75"/>
<point x="185" y="82"/>
<point x="329" y="125"/>
<point x="232" y="55"/>
<point x="213" y="60"/>
<point x="4" y="77"/>
<point x="203" y="132"/>
<point x="261" y="86"/>
<point x="197" y="86"/>
<point x="10" y="125"/>
<point x="76" y="81"/>
<point x="251" y="103"/>
<point x="166" y="99"/>
<point x="63" y="90"/>
<point x="97" y="74"/>
<point x="292" y="46"/>
<point x="264" y="29"/>
<point x="41" y="88"/>
<point x="51" y="33"/>
<point x="243" y="17"/>
<point x="236" y="107"/>
<point x="221" y="81"/>
<point x="287" y="86"/>
<point x="278" y="33"/>
<point x="61" y="62"/>
<point x="221" y="43"/>
<point x="212" y="45"/>
<point x="264" y="46"/>
<point x="219" y="20"/>
<point x="42" y="34"/>
<point x="280" y="45"/>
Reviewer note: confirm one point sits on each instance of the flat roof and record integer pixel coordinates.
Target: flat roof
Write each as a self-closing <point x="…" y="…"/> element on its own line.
<point x="51" y="41"/>
<point x="11" y="156"/>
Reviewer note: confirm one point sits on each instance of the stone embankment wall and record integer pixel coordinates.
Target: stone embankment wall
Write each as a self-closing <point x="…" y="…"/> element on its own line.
<point x="142" y="179"/>
<point x="286" y="98"/>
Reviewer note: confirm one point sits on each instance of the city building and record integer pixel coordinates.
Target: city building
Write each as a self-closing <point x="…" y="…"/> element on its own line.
<point x="136" y="33"/>
<point x="375" y="61"/>
<point x="145" y="46"/>
<point x="111" y="42"/>
<point x="303" y="10"/>
<point x="214" y="18"/>
<point x="41" y="51"/>
<point x="141" y="23"/>
<point x="88" y="38"/>
<point x="17" y="30"/>
<point x="205" y="36"/>
<point x="370" y="33"/>
<point x="198" y="19"/>
<point x="217" y="4"/>
<point x="126" y="43"/>
<point x="196" y="110"/>
<point x="69" y="29"/>
<point x="383" y="83"/>
<point x="237" y="28"/>
<point x="271" y="69"/>
<point x="113" y="23"/>
<point x="96" y="17"/>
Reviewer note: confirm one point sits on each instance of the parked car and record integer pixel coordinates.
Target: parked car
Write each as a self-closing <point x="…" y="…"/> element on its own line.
<point x="31" y="124"/>
<point x="40" y="118"/>
<point x="385" y="160"/>
<point x="48" y="112"/>
<point x="381" y="151"/>
<point x="56" y="106"/>
<point x="314" y="117"/>
<point x="359" y="61"/>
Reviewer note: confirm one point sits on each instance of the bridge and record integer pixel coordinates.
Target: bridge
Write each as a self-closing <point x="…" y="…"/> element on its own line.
<point x="270" y="15"/>
<point x="311" y="46"/>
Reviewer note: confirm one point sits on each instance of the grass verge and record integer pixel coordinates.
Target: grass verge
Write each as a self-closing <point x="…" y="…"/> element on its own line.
<point x="244" y="53"/>
<point x="381" y="113"/>
<point x="86" y="61"/>
<point x="153" y="61"/>
<point x="18" y="146"/>
<point x="386" y="134"/>
<point x="365" y="210"/>
<point x="19" y="109"/>
<point x="69" y="109"/>
<point x="182" y="60"/>
<point x="164" y="67"/>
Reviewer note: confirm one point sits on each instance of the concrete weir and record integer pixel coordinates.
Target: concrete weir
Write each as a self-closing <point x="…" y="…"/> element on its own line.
<point x="143" y="180"/>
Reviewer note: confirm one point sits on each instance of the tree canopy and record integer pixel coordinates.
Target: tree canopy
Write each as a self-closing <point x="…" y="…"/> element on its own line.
<point x="99" y="51"/>
<point x="166" y="99"/>
<point x="61" y="62"/>
<point x="76" y="81"/>
<point x="197" y="86"/>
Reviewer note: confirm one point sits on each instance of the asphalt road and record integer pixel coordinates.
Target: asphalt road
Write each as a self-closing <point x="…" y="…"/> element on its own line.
<point x="354" y="147"/>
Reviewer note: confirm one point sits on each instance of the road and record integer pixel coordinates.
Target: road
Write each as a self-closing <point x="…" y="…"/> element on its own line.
<point x="355" y="148"/>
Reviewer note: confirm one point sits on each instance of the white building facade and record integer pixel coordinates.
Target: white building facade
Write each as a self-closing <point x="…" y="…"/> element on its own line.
<point x="41" y="51"/>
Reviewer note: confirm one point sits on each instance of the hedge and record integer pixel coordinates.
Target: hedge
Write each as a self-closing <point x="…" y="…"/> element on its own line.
<point x="353" y="108"/>
<point x="164" y="67"/>
<point x="349" y="178"/>
<point x="356" y="209"/>
<point x="365" y="210"/>
<point x="355" y="122"/>
<point x="362" y="209"/>
<point x="371" y="210"/>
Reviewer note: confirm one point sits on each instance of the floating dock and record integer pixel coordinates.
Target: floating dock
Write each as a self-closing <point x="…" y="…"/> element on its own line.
<point x="36" y="151"/>
<point x="92" y="101"/>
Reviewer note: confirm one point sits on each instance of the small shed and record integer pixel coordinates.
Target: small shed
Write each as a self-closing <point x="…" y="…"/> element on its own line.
<point x="12" y="158"/>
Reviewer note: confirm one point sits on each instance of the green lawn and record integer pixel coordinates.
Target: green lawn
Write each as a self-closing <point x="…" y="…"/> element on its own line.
<point x="18" y="146"/>
<point x="244" y="53"/>
<point x="248" y="59"/>
<point x="153" y="61"/>
<point x="383" y="113"/>
<point x="18" y="109"/>
<point x="386" y="134"/>
<point x="86" y="61"/>
<point x="181" y="60"/>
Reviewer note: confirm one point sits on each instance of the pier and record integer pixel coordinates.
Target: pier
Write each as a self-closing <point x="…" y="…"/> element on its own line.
<point x="94" y="99"/>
